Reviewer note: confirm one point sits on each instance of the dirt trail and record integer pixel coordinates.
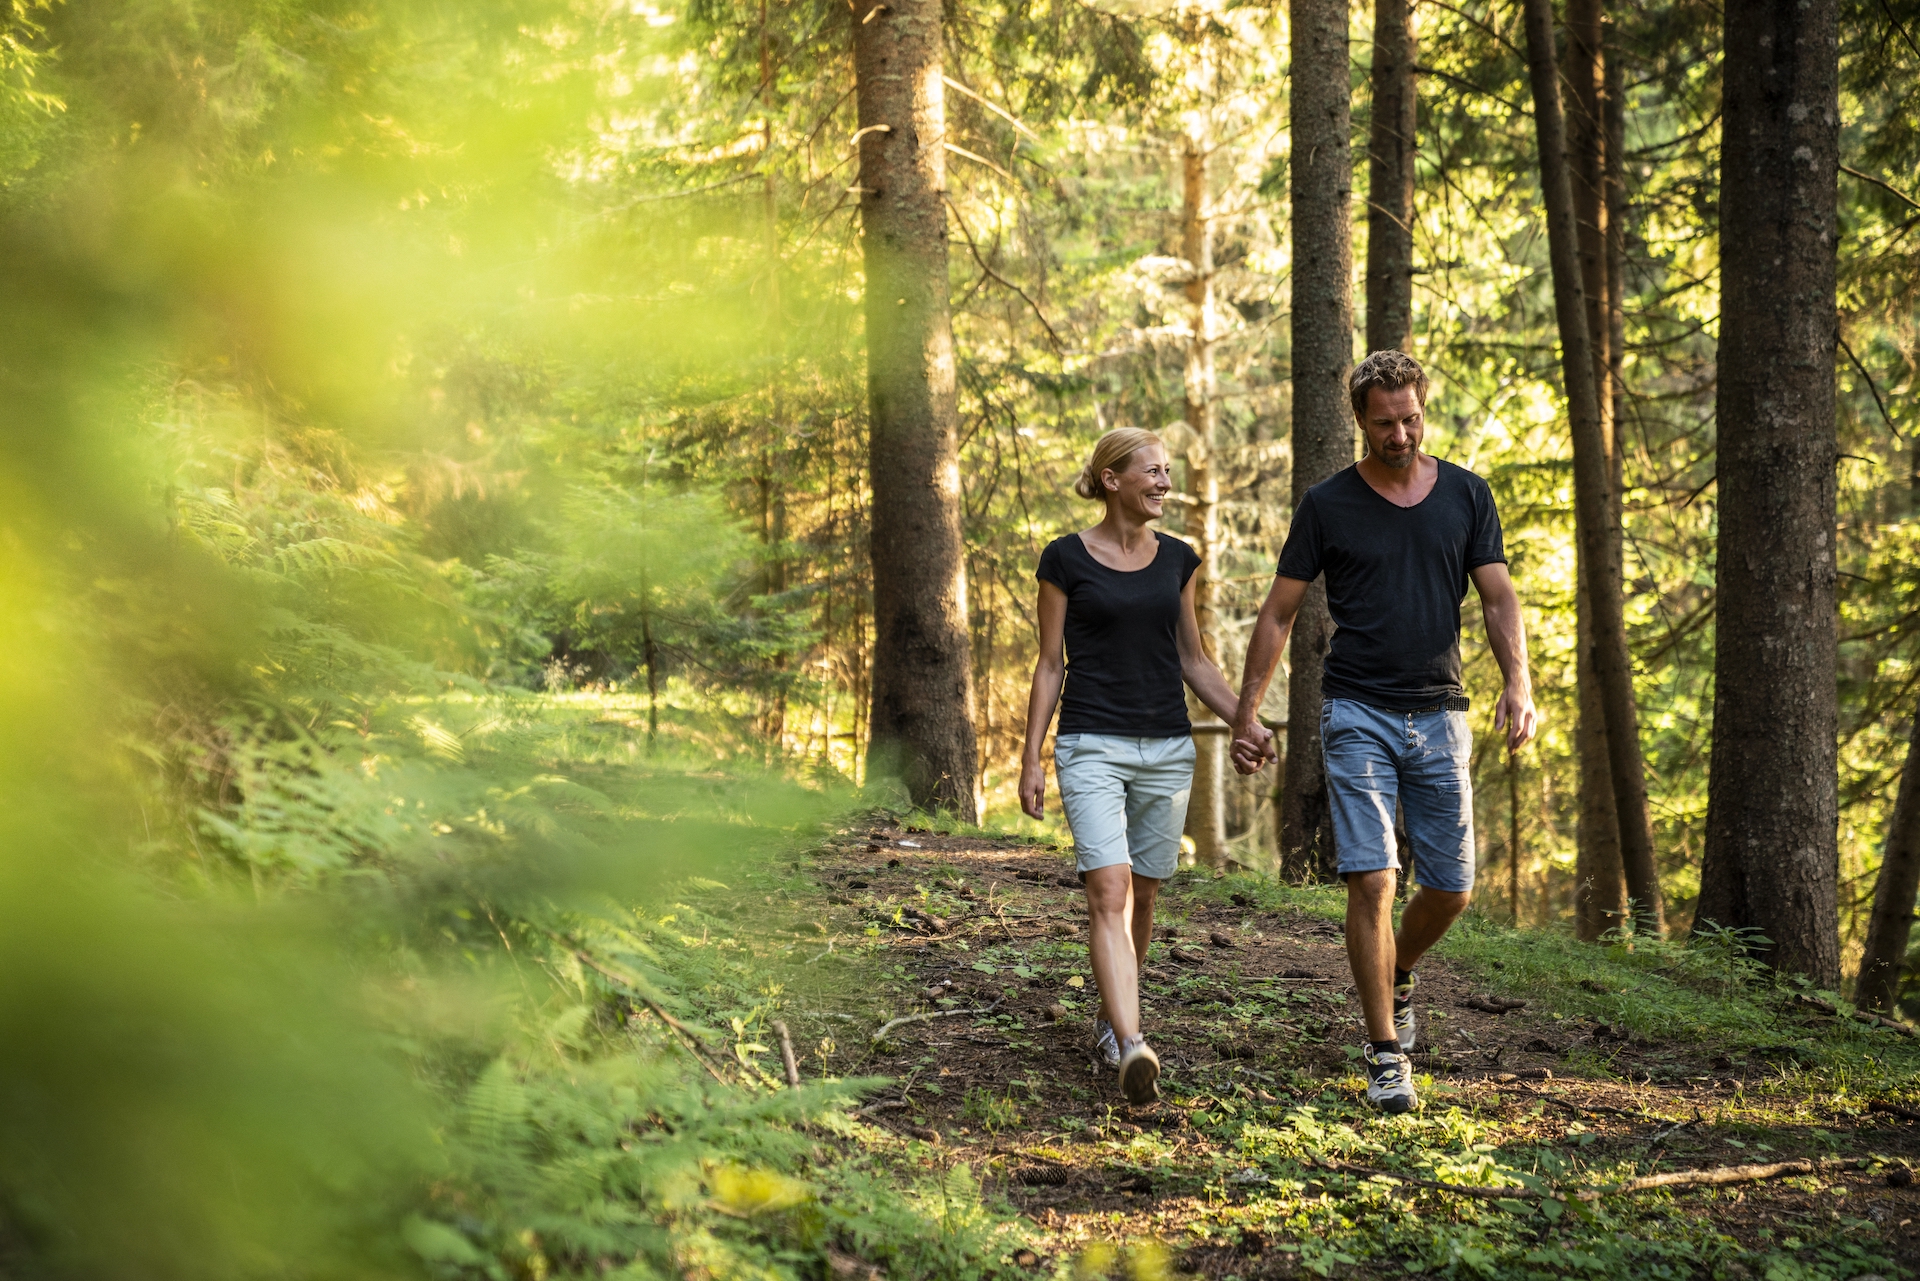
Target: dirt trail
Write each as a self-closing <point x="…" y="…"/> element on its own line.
<point x="1252" y="1013"/>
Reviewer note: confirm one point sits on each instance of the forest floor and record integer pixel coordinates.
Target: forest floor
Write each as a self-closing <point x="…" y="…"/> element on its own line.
<point x="1262" y="1158"/>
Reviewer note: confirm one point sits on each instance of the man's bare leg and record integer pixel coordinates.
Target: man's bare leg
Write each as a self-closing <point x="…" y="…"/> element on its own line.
<point x="1425" y="919"/>
<point x="1370" y="947"/>
<point x="1375" y="951"/>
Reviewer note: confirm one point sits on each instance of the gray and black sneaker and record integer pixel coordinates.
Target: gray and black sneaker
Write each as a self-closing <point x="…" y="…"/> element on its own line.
<point x="1389" y="1081"/>
<point x="1106" y="1050"/>
<point x="1403" y="1020"/>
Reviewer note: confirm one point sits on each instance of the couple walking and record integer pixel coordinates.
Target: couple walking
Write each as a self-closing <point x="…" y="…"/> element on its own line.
<point x="1398" y="535"/>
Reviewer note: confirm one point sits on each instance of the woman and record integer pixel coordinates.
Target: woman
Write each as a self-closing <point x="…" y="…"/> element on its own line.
<point x="1120" y="598"/>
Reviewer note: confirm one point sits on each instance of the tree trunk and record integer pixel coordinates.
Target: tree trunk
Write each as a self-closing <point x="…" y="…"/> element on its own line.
<point x="1592" y="479"/>
<point x="922" y="724"/>
<point x="1600" y="887"/>
<point x="1321" y="180"/>
<point x="1879" y="985"/>
<point x="1772" y="859"/>
<point x="1390" y="157"/>
<point x="1206" y="809"/>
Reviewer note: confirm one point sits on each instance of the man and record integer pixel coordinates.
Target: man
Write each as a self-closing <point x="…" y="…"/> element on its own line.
<point x="1398" y="535"/>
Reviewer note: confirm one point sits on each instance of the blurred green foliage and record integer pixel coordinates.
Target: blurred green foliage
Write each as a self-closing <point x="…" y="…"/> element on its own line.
<point x="331" y="946"/>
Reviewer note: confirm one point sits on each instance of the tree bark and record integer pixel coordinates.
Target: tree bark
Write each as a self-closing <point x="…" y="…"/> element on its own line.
<point x="1390" y="157"/>
<point x="1772" y="859"/>
<point x="1600" y="888"/>
<point x="1321" y="182"/>
<point x="1592" y="481"/>
<point x="1206" y="809"/>
<point x="922" y="720"/>
<point x="1878" y="987"/>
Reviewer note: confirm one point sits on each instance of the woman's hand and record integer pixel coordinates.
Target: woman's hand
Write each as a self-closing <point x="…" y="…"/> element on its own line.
<point x="1252" y="746"/>
<point x="1033" y="787"/>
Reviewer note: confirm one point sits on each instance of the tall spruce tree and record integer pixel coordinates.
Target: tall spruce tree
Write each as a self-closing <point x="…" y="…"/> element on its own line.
<point x="1321" y="180"/>
<point x="922" y="668"/>
<point x="1771" y="861"/>
<point x="1390" y="176"/>
<point x="1599" y="884"/>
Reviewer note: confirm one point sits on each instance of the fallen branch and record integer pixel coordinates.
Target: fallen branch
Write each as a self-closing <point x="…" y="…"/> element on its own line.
<point x="1724" y="1174"/>
<point x="931" y="1014"/>
<point x="685" y="1033"/>
<point x="786" y="1054"/>
<point x="1718" y="1176"/>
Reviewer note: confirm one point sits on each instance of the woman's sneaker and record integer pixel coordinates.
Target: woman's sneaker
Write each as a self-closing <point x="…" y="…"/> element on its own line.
<point x="1105" y="1049"/>
<point x="1389" y="1080"/>
<point x="1139" y="1072"/>
<point x="1403" y="1021"/>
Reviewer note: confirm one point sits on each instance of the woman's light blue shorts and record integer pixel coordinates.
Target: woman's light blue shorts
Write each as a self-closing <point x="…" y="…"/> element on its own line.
<point x="1375" y="757"/>
<point x="1125" y="798"/>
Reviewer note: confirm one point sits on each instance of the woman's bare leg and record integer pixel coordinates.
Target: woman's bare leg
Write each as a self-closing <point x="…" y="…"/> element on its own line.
<point x="1113" y="943"/>
<point x="1120" y="905"/>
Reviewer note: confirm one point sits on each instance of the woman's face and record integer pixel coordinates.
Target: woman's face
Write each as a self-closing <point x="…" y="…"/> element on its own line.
<point x="1141" y="490"/>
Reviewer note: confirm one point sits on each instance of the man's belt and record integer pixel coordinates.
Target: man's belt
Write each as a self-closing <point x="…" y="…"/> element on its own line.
<point x="1458" y="703"/>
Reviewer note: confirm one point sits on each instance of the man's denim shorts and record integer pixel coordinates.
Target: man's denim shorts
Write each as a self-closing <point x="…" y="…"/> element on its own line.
<point x="1125" y="799"/>
<point x="1375" y="757"/>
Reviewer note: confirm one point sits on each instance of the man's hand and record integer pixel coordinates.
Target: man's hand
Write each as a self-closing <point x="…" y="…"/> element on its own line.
<point x="1252" y="745"/>
<point x="1516" y="714"/>
<point x="1033" y="787"/>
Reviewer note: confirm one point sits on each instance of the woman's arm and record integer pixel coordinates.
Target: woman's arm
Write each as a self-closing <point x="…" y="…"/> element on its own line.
<point x="1049" y="672"/>
<point x="1196" y="668"/>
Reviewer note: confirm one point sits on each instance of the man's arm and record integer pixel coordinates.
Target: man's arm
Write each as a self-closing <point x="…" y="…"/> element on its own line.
<point x="1251" y="743"/>
<point x="1507" y="634"/>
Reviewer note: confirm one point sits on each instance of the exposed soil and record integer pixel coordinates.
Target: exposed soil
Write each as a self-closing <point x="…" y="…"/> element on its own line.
<point x="1015" y="1093"/>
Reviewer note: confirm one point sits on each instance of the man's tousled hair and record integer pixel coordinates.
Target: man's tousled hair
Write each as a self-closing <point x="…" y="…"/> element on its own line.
<point x="1389" y="371"/>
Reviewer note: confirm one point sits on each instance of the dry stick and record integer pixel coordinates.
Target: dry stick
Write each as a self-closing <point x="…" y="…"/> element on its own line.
<point x="1716" y="1177"/>
<point x="786" y="1053"/>
<point x="685" y="1033"/>
<point x="1727" y="1174"/>
<point x="933" y="1014"/>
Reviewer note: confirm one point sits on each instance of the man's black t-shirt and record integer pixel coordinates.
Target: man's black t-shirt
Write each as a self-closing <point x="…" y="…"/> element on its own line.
<point x="1396" y="577"/>
<point x="1123" y="664"/>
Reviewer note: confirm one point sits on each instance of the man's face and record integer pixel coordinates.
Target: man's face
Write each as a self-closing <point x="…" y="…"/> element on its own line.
<point x="1394" y="423"/>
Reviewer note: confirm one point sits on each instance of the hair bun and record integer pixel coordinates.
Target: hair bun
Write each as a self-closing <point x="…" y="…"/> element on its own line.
<point x="1112" y="451"/>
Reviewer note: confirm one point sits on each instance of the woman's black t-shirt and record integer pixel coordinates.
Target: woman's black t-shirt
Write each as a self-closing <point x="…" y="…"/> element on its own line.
<point x="1123" y="663"/>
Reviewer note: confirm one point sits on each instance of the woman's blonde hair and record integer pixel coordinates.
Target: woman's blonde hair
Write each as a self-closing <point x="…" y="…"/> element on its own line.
<point x="1113" y="452"/>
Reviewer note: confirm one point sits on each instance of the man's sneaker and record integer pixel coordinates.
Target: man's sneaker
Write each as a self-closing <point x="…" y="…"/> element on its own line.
<point x="1140" y="1073"/>
<point x="1105" y="1048"/>
<point x="1403" y="1021"/>
<point x="1389" y="1080"/>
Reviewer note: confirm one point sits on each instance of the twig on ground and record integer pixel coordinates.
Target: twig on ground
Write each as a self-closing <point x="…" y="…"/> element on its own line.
<point x="1724" y="1174"/>
<point x="786" y="1053"/>
<point x="931" y="1014"/>
<point x="685" y="1033"/>
<point x="1662" y="1136"/>
<point x="1718" y="1176"/>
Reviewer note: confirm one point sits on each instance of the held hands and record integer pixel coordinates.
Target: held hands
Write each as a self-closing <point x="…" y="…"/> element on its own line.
<point x="1252" y="747"/>
<point x="1033" y="787"/>
<point x="1516" y="714"/>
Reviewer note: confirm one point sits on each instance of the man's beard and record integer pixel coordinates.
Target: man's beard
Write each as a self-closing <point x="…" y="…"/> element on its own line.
<point x="1400" y="461"/>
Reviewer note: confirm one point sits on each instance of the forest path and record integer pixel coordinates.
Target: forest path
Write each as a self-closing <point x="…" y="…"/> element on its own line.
<point x="1252" y="1012"/>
